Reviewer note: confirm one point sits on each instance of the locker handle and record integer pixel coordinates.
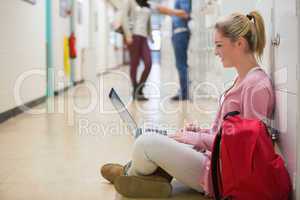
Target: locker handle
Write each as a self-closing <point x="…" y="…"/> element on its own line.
<point x="276" y="40"/>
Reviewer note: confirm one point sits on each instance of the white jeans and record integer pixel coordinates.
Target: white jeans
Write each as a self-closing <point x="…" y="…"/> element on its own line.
<point x="179" y="160"/>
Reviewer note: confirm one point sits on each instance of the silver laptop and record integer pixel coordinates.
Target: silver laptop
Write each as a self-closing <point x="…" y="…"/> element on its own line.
<point x="128" y="119"/>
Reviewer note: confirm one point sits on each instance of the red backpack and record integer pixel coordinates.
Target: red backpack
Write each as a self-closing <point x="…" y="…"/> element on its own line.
<point x="244" y="163"/>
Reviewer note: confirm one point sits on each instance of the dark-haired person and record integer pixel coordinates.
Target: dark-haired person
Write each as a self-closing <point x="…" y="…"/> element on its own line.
<point x="137" y="28"/>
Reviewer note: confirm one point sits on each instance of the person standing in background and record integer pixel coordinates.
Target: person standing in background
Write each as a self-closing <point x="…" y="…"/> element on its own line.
<point x="180" y="39"/>
<point x="136" y="24"/>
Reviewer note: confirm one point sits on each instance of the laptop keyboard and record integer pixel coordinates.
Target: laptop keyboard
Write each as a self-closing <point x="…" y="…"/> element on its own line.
<point x="162" y="132"/>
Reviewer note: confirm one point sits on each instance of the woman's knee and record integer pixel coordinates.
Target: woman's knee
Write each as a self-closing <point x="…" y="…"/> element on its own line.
<point x="146" y="141"/>
<point x="142" y="140"/>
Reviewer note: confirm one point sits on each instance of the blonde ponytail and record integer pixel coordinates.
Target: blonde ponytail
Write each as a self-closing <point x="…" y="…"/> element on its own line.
<point x="259" y="42"/>
<point x="250" y="26"/>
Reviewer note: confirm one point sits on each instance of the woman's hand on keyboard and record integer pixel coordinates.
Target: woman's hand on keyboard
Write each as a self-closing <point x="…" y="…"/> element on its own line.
<point x="190" y="127"/>
<point x="186" y="137"/>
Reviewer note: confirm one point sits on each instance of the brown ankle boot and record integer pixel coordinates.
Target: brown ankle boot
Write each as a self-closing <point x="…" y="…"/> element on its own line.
<point x="143" y="186"/>
<point x="111" y="171"/>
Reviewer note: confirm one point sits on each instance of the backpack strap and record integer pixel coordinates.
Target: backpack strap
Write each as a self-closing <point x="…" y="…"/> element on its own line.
<point x="215" y="165"/>
<point x="215" y="161"/>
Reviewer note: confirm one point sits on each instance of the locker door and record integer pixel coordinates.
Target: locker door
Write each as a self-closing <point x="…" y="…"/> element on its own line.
<point x="285" y="43"/>
<point x="284" y="70"/>
<point x="81" y="28"/>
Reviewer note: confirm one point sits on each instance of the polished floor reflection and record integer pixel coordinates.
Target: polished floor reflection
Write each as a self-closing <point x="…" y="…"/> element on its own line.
<point x="55" y="152"/>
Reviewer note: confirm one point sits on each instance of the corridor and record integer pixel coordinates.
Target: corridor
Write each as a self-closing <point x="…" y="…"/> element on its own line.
<point x="59" y="60"/>
<point x="58" y="155"/>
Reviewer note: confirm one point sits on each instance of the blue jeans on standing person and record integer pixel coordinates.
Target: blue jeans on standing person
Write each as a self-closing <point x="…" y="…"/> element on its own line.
<point x="180" y="44"/>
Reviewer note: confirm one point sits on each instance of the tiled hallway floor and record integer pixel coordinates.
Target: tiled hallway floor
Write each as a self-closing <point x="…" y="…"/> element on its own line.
<point x="57" y="155"/>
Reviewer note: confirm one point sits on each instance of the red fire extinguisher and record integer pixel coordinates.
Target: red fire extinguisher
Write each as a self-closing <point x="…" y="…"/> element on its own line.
<point x="72" y="44"/>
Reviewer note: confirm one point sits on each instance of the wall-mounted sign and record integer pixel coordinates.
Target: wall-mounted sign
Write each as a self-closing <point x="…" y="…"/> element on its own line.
<point x="31" y="1"/>
<point x="65" y="8"/>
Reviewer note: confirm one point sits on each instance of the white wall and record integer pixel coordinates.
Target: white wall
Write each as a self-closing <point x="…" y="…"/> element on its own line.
<point x="22" y="39"/>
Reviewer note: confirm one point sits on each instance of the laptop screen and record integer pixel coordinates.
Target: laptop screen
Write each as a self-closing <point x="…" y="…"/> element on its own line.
<point x="123" y="112"/>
